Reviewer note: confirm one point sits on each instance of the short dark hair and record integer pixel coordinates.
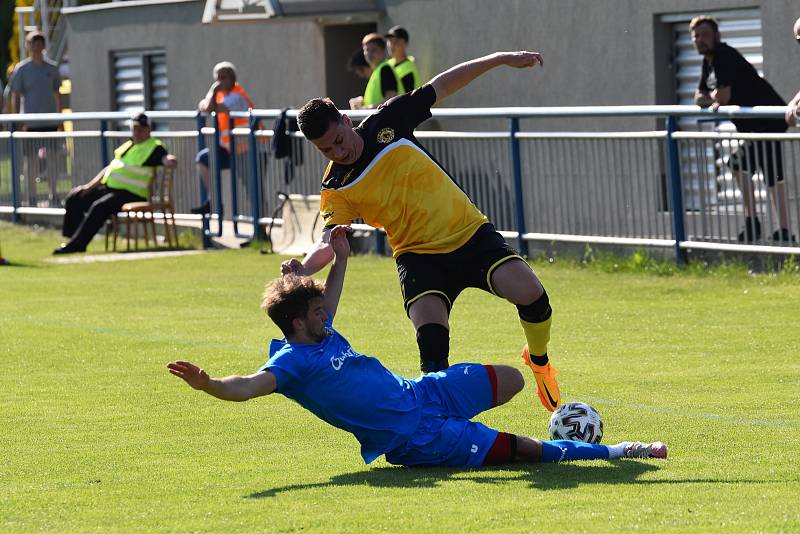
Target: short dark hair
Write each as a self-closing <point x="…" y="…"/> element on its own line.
<point x="704" y="19"/>
<point x="357" y="60"/>
<point x="316" y="117"/>
<point x="288" y="298"/>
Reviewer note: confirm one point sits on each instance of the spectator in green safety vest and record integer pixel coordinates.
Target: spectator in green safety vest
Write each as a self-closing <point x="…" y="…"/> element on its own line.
<point x="383" y="82"/>
<point x="403" y="64"/>
<point x="126" y="179"/>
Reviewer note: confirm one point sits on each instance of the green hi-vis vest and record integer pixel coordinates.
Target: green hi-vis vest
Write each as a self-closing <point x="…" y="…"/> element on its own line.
<point x="404" y="69"/>
<point x="373" y="94"/>
<point x="127" y="170"/>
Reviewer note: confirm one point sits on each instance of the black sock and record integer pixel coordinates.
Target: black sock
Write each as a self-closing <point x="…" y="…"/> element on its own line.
<point x="540" y="360"/>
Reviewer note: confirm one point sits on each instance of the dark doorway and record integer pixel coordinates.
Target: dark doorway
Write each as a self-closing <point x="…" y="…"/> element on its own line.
<point x="340" y="42"/>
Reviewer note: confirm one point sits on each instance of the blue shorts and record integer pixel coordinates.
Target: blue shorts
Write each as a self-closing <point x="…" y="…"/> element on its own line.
<point x="224" y="158"/>
<point x="445" y="435"/>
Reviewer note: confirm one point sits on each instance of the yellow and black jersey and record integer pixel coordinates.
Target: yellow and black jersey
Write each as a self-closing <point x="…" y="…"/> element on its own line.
<point x="398" y="186"/>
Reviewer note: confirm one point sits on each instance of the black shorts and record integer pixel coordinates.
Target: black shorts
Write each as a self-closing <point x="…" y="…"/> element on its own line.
<point x="765" y="156"/>
<point x="447" y="275"/>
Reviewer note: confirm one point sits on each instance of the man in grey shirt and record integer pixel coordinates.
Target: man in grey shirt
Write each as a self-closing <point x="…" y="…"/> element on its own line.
<point x="34" y="87"/>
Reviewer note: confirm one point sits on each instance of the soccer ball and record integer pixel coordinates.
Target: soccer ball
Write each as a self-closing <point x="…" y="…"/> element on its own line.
<point x="576" y="421"/>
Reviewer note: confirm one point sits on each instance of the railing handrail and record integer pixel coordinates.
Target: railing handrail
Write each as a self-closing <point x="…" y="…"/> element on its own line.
<point x="723" y="113"/>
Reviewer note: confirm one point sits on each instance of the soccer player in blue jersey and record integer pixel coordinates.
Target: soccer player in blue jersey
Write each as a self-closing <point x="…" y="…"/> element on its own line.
<point x="425" y="421"/>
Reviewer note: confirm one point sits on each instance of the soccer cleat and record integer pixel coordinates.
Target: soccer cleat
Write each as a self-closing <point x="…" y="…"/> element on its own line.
<point x="546" y="385"/>
<point x="637" y="449"/>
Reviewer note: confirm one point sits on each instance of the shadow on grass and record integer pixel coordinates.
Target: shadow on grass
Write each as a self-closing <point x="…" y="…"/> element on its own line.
<point x="538" y="476"/>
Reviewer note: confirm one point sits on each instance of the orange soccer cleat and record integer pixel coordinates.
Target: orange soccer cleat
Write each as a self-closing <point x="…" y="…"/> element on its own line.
<point x="546" y="385"/>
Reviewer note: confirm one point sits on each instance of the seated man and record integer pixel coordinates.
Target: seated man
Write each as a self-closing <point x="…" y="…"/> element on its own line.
<point x="425" y="421"/>
<point x="126" y="179"/>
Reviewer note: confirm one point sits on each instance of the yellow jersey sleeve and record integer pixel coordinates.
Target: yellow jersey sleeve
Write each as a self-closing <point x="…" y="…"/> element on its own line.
<point x="334" y="208"/>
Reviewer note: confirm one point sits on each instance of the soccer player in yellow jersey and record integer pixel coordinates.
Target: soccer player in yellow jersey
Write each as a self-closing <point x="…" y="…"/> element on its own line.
<point x="441" y="241"/>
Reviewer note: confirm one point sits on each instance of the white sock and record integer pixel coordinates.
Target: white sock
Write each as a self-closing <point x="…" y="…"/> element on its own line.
<point x="616" y="451"/>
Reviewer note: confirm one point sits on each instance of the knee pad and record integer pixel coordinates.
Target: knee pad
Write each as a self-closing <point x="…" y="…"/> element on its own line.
<point x="536" y="312"/>
<point x="433" y="341"/>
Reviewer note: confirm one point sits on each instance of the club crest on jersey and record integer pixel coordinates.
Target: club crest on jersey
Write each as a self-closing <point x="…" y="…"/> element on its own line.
<point x="386" y="135"/>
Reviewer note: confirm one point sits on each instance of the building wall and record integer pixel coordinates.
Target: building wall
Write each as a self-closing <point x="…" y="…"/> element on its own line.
<point x="613" y="52"/>
<point x="278" y="64"/>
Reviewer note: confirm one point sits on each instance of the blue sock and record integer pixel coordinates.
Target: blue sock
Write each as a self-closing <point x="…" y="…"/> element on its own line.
<point x="564" y="450"/>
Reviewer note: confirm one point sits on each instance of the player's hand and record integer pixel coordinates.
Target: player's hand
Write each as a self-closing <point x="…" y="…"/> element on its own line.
<point x="189" y="372"/>
<point x="714" y="106"/>
<point x="338" y="240"/>
<point x="293" y="266"/>
<point x="523" y="59"/>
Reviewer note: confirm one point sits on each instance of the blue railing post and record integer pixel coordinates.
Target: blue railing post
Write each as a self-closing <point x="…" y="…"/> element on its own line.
<point x="218" y="173"/>
<point x="234" y="188"/>
<point x="516" y="169"/>
<point x="14" y="173"/>
<point x="255" y="180"/>
<point x="201" y="145"/>
<point x="676" y="192"/>
<point x="103" y="144"/>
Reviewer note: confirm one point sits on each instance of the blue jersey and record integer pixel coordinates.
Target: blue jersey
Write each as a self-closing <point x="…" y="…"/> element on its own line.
<point x="348" y="390"/>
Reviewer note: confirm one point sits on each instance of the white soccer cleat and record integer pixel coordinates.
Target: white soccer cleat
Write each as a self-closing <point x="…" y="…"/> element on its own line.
<point x="637" y="449"/>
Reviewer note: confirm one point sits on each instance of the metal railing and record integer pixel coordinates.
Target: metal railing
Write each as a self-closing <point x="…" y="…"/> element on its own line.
<point x="624" y="188"/>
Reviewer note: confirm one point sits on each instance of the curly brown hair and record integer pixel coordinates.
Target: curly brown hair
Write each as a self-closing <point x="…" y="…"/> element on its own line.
<point x="288" y="298"/>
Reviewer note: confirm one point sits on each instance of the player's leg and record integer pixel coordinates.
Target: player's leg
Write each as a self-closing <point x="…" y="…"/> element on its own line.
<point x="427" y="303"/>
<point x="745" y="163"/>
<point x="773" y="174"/>
<point x="515" y="281"/>
<point x="466" y="389"/>
<point x="202" y="164"/>
<point x="509" y="448"/>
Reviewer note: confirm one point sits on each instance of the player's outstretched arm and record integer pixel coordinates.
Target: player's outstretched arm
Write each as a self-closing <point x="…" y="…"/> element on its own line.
<point x="335" y="281"/>
<point x="453" y="79"/>
<point x="230" y="388"/>
<point x="318" y="257"/>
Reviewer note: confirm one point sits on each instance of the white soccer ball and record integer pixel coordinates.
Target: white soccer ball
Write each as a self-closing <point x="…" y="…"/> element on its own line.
<point x="576" y="421"/>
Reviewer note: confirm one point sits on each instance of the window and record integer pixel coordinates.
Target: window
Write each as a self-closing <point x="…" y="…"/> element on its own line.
<point x="140" y="81"/>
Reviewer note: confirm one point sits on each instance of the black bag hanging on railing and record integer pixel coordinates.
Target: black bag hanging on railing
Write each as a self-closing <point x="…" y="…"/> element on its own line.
<point x="281" y="143"/>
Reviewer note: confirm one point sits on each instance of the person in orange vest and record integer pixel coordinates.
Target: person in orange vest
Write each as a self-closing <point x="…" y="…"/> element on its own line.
<point x="224" y="95"/>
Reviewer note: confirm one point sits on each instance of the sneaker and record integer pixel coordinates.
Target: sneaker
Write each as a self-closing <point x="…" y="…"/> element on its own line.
<point x="546" y="385"/>
<point x="783" y="235"/>
<point x="637" y="449"/>
<point x="67" y="249"/>
<point x="751" y="231"/>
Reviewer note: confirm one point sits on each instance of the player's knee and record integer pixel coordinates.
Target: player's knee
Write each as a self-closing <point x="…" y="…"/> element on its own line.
<point x="433" y="340"/>
<point x="536" y="312"/>
<point x="509" y="382"/>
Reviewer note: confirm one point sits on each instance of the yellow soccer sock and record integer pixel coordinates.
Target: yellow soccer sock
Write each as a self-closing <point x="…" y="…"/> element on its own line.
<point x="538" y="335"/>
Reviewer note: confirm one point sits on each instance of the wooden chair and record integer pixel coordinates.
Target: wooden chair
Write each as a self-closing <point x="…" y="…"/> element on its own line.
<point x="143" y="213"/>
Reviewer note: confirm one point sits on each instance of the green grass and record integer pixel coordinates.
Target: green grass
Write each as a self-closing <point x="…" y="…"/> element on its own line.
<point x="96" y="435"/>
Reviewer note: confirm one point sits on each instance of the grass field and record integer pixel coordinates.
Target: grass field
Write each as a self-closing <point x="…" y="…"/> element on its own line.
<point x="95" y="435"/>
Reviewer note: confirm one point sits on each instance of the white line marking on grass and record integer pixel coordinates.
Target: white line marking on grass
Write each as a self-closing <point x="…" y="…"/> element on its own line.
<point x="683" y="412"/>
<point x="124" y="256"/>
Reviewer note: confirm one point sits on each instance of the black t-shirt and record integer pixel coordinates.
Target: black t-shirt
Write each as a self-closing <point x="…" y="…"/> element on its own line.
<point x="388" y="81"/>
<point x="728" y="68"/>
